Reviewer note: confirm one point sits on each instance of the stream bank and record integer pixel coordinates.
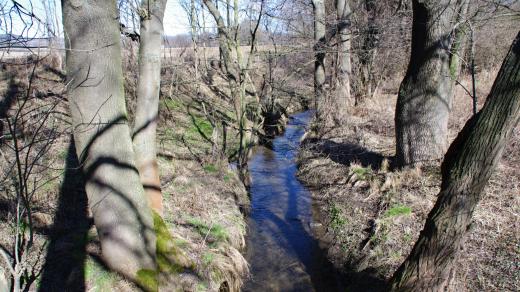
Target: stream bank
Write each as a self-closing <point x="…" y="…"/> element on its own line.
<point x="372" y="214"/>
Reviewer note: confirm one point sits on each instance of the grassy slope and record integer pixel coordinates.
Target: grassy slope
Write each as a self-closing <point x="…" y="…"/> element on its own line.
<point x="202" y="194"/>
<point x="372" y="215"/>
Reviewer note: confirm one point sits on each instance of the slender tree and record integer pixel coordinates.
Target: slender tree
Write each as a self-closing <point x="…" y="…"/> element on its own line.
<point x="424" y="100"/>
<point x="343" y="97"/>
<point x="319" y="52"/>
<point x="368" y="51"/>
<point x="467" y="166"/>
<point x="96" y="98"/>
<point x="148" y="87"/>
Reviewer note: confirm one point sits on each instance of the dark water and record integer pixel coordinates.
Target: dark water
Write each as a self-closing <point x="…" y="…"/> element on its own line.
<point x="283" y="254"/>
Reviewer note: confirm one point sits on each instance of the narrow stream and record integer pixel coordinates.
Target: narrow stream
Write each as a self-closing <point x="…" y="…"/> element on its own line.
<point x="283" y="254"/>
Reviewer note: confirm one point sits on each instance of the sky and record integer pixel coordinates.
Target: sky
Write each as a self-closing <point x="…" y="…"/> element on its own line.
<point x="175" y="19"/>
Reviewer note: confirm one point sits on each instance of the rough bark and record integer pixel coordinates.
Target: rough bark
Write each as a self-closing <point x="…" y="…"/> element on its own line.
<point x="148" y="88"/>
<point x="96" y="98"/>
<point x="343" y="96"/>
<point x="319" y="51"/>
<point x="424" y="100"/>
<point x="467" y="166"/>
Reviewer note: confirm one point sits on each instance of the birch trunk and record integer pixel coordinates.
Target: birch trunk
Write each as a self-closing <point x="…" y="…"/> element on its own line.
<point x="96" y="98"/>
<point x="148" y="88"/>
<point x="467" y="166"/>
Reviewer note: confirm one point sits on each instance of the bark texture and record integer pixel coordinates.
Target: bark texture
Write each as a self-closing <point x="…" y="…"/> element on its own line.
<point x="424" y="100"/>
<point x="319" y="51"/>
<point x="96" y="99"/>
<point x="343" y="96"/>
<point x="467" y="166"/>
<point x="148" y="88"/>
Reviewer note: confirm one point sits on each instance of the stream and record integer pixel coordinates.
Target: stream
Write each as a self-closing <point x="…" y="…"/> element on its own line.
<point x="281" y="250"/>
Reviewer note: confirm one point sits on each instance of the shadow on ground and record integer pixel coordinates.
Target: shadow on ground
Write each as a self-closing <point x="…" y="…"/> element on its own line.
<point x="66" y="254"/>
<point x="346" y="153"/>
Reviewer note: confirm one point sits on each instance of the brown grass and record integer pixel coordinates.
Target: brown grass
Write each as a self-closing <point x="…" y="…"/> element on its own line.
<point x="373" y="215"/>
<point x="203" y="196"/>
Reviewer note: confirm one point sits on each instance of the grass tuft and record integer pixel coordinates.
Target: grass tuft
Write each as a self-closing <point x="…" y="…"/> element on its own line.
<point x="398" y="210"/>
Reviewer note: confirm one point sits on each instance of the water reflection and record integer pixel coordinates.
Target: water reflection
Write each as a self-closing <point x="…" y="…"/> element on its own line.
<point x="281" y="250"/>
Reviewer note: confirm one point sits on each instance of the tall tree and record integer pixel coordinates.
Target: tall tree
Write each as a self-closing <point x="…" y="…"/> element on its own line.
<point x="343" y="97"/>
<point x="96" y="98"/>
<point x="148" y="88"/>
<point x="319" y="52"/>
<point x="424" y="100"/>
<point x="467" y="166"/>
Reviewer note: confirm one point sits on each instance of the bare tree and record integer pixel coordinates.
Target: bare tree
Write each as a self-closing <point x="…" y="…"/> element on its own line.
<point x="319" y="55"/>
<point x="344" y="71"/>
<point x="149" y="82"/>
<point x="467" y="166"/>
<point x="95" y="87"/>
<point x="424" y="100"/>
<point x="236" y="71"/>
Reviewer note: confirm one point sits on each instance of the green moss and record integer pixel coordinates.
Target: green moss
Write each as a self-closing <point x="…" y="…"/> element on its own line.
<point x="200" y="125"/>
<point x="362" y="172"/>
<point x="173" y="104"/>
<point x="169" y="257"/>
<point x="337" y="220"/>
<point x="208" y="257"/>
<point x="210" y="168"/>
<point x="147" y="279"/>
<point x="216" y="231"/>
<point x="398" y="210"/>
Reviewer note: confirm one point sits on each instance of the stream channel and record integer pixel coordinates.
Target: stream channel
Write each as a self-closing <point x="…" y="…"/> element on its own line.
<point x="281" y="250"/>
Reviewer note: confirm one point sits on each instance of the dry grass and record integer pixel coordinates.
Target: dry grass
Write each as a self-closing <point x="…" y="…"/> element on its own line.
<point x="373" y="215"/>
<point x="203" y="197"/>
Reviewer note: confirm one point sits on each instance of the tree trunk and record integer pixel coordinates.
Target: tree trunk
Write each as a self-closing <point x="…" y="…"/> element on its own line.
<point x="148" y="88"/>
<point x="95" y="87"/>
<point x="319" y="51"/>
<point x="343" y="97"/>
<point x="459" y="40"/>
<point x="424" y="100"/>
<point x="467" y="166"/>
<point x="370" y="42"/>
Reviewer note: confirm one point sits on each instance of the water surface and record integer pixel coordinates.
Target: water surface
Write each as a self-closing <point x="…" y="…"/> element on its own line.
<point x="283" y="254"/>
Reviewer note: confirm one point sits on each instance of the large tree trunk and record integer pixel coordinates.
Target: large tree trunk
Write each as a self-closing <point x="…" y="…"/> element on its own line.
<point x="99" y="118"/>
<point x="343" y="97"/>
<point x="467" y="166"/>
<point x="319" y="51"/>
<point x="148" y="88"/>
<point x="424" y="100"/>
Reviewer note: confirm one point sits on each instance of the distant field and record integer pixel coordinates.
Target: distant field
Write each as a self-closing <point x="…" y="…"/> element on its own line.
<point x="210" y="52"/>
